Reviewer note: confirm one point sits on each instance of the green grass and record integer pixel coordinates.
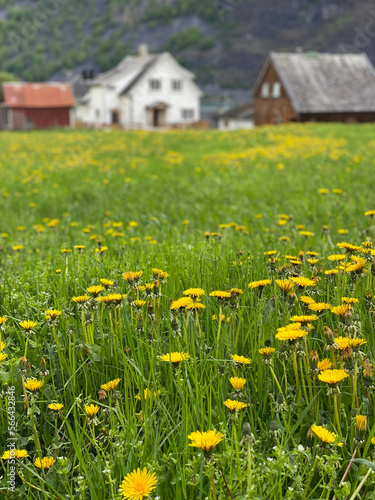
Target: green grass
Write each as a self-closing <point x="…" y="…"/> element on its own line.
<point x="149" y="199"/>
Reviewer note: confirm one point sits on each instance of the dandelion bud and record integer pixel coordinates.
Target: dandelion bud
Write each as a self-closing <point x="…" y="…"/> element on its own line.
<point x="314" y="357"/>
<point x="42" y="363"/>
<point x="310" y="433"/>
<point x="140" y="323"/>
<point x="99" y="244"/>
<point x="347" y="354"/>
<point x="274" y="426"/>
<point x="328" y="332"/>
<point x="367" y="369"/>
<point x="102" y="394"/>
<point x="361" y="423"/>
<point x="207" y="235"/>
<point x="246" y="429"/>
<point x="23" y="363"/>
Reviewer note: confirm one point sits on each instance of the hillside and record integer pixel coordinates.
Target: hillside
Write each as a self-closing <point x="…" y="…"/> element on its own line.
<point x="224" y="41"/>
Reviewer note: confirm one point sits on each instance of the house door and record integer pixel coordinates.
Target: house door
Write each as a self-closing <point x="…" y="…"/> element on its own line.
<point x="157" y="117"/>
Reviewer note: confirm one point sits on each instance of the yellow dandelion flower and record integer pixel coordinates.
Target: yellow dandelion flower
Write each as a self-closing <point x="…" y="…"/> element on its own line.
<point x="307" y="300"/>
<point x="340" y="310"/>
<point x="55" y="406"/>
<point x="174" y="357"/>
<point x="336" y="257"/>
<point x="28" y="325"/>
<point x="138" y="484"/>
<point x="113" y="298"/>
<point x="323" y="434"/>
<point x="331" y="272"/>
<point x="139" y="303"/>
<point x="285" y="285"/>
<point x="234" y="405"/>
<point x="332" y="377"/>
<point x="302" y="281"/>
<point x="349" y="300"/>
<point x="3" y="356"/>
<point x="241" y="359"/>
<point x="91" y="410"/>
<point x="80" y="299"/>
<point x="95" y="290"/>
<point x="195" y="306"/>
<point x="181" y="303"/>
<point x="220" y="294"/>
<point x="266" y="351"/>
<point x="194" y="292"/>
<point x="342" y="342"/>
<point x="106" y="283"/>
<point x="324" y="364"/>
<point x="290" y="333"/>
<point x="237" y="382"/>
<point x="205" y="440"/>
<point x="110" y="386"/>
<point x="33" y="385"/>
<point x="45" y="463"/>
<point x="319" y="306"/>
<point x="52" y="313"/>
<point x="14" y="454"/>
<point x="259" y="284"/>
<point x="3" y="319"/>
<point x="304" y="319"/>
<point x="354" y="343"/>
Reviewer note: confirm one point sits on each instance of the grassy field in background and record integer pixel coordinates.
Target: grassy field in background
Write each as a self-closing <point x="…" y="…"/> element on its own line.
<point x="214" y="211"/>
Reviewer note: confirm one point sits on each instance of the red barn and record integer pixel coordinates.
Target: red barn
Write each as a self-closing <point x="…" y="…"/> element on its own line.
<point x="35" y="105"/>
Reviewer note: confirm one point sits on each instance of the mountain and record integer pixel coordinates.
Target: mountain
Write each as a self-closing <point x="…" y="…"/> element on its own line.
<point x="225" y="42"/>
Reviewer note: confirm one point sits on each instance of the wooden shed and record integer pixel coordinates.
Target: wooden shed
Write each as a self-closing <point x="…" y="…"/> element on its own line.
<point x="311" y="86"/>
<point x="35" y="105"/>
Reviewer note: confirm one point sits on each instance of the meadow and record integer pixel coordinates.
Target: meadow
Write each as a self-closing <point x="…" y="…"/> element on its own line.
<point x="188" y="315"/>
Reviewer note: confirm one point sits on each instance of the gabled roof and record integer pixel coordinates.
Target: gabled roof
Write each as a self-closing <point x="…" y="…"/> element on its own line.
<point x="242" y="112"/>
<point x="325" y="83"/>
<point x="130" y="70"/>
<point x="37" y="95"/>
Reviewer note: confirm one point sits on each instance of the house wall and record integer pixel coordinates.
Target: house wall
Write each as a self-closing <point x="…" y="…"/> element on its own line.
<point x="273" y="110"/>
<point x="26" y="118"/>
<point x="141" y="96"/>
<point x="234" y="124"/>
<point x="338" y="117"/>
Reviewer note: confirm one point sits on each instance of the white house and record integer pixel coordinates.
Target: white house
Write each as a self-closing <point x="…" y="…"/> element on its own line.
<point x="240" y="117"/>
<point x="143" y="91"/>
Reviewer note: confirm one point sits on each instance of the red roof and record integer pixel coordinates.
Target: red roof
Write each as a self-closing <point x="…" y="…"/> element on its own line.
<point x="38" y="95"/>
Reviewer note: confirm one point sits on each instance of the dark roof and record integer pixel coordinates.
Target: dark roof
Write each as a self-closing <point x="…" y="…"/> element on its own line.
<point x="243" y="111"/>
<point x="325" y="83"/>
<point x="79" y="86"/>
<point x="37" y="95"/>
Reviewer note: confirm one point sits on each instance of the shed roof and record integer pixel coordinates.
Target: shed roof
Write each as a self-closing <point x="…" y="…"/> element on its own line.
<point x="37" y="95"/>
<point x="325" y="83"/>
<point x="243" y="112"/>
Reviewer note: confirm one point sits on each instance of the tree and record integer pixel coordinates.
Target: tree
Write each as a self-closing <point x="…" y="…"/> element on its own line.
<point x="5" y="77"/>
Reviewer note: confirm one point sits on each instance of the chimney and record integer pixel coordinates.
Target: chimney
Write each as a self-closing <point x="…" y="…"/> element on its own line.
<point x="143" y="50"/>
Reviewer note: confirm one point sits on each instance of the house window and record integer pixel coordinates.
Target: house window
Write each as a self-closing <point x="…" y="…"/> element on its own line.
<point x="155" y="84"/>
<point x="276" y="90"/>
<point x="187" y="114"/>
<point x="265" y="92"/>
<point x="176" y="85"/>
